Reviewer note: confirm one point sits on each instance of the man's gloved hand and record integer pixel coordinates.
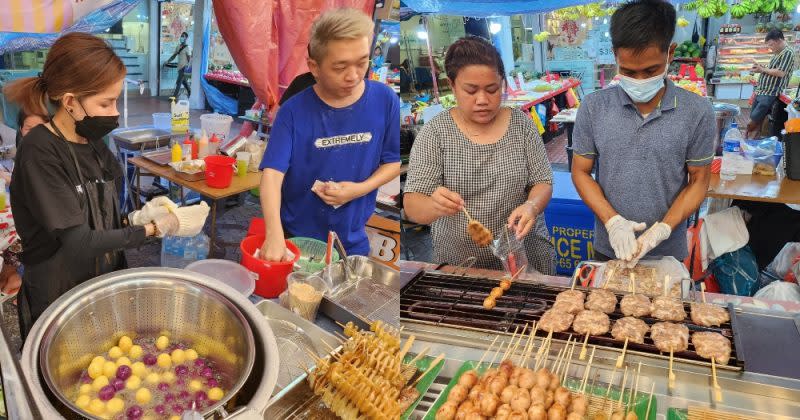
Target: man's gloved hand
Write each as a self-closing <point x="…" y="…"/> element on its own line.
<point x="650" y="239"/>
<point x="191" y="219"/>
<point x="622" y="235"/>
<point x="155" y="208"/>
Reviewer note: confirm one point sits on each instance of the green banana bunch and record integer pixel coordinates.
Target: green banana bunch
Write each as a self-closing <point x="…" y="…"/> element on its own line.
<point x="768" y="6"/>
<point x="692" y="5"/>
<point x="787" y="6"/>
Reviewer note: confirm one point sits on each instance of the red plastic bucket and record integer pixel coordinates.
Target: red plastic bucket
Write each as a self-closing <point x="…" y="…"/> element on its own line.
<point x="271" y="275"/>
<point x="219" y="171"/>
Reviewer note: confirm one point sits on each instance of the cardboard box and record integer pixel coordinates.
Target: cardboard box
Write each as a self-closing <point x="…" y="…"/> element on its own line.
<point x="384" y="240"/>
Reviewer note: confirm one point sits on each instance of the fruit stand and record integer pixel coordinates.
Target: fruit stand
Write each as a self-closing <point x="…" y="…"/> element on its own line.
<point x="732" y="76"/>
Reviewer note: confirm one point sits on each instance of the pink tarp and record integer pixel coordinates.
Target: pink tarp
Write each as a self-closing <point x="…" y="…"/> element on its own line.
<point x="267" y="39"/>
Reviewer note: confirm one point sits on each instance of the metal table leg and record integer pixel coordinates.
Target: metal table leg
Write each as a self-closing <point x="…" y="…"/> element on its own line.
<point x="138" y="197"/>
<point x="213" y="237"/>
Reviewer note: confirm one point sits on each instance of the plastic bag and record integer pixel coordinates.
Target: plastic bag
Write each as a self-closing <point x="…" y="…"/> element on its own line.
<point x="780" y="291"/>
<point x="762" y="153"/>
<point x="649" y="276"/>
<point x="736" y="272"/>
<point x="256" y="147"/>
<point x="783" y="262"/>
<point x="511" y="252"/>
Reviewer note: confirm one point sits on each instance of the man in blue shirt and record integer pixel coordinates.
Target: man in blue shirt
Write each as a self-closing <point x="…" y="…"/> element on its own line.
<point x="653" y="143"/>
<point x="332" y="145"/>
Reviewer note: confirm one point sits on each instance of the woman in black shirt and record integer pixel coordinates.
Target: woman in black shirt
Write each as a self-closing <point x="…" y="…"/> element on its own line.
<point x="65" y="180"/>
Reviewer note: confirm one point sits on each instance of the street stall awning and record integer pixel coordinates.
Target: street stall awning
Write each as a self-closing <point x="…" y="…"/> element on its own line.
<point x="36" y="24"/>
<point x="484" y="8"/>
<point x="268" y="40"/>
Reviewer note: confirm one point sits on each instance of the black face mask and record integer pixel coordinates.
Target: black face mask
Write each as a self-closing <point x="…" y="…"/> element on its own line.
<point x="95" y="128"/>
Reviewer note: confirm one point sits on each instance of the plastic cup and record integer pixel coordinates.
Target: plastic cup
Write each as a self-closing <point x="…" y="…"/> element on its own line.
<point x="304" y="293"/>
<point x="242" y="160"/>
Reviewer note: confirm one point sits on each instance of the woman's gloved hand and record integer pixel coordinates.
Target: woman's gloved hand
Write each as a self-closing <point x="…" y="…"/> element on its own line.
<point x="154" y="209"/>
<point x="191" y="219"/>
<point x="166" y="225"/>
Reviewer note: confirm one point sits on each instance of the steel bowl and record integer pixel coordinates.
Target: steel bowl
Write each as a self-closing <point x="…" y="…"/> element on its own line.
<point x="192" y="308"/>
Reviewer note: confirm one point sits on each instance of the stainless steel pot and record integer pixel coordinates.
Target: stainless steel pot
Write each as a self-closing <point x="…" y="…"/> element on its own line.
<point x="189" y="305"/>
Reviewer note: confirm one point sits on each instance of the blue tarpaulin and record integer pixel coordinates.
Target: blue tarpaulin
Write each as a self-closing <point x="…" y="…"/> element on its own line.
<point x="219" y="102"/>
<point x="483" y="8"/>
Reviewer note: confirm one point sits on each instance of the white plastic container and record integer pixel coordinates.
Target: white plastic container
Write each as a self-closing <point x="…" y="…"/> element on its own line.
<point x="228" y="272"/>
<point x="180" y="116"/>
<point x="163" y="121"/>
<point x="217" y="124"/>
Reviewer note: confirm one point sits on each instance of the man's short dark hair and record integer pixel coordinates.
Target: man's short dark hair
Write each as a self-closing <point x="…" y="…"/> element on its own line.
<point x="472" y="50"/>
<point x="773" y="35"/>
<point x="640" y="24"/>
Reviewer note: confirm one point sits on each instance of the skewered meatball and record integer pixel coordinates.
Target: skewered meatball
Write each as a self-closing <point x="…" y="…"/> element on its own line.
<point x="468" y="378"/>
<point x="489" y="303"/>
<point x="574" y="416"/>
<point x="458" y="394"/>
<point x="507" y="368"/>
<point x="601" y="300"/>
<point x="514" y="378"/>
<point x="618" y="415"/>
<point x="496" y="292"/>
<point x="475" y="392"/>
<point x="666" y="308"/>
<point x="580" y="405"/>
<point x="556" y="412"/>
<point x="543" y="378"/>
<point x="538" y="395"/>
<point x="489" y="404"/>
<point x="631" y="328"/>
<point x="508" y="393"/>
<point x="635" y="305"/>
<point x="475" y="416"/>
<point x="537" y="412"/>
<point x="503" y="412"/>
<point x="591" y="322"/>
<point x="464" y="410"/>
<point x="667" y="335"/>
<point x="497" y="384"/>
<point x="631" y="416"/>
<point x="570" y="301"/>
<point x="518" y="415"/>
<point x="562" y="396"/>
<point x="521" y="401"/>
<point x="527" y="379"/>
<point x="707" y="314"/>
<point x="712" y="344"/>
<point x="479" y="233"/>
<point x="447" y="411"/>
<point x="555" y="382"/>
<point x="505" y="284"/>
<point x="555" y="320"/>
<point x="548" y="399"/>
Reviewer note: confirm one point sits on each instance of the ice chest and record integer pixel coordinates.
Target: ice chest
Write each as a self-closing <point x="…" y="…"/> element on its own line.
<point x="570" y="223"/>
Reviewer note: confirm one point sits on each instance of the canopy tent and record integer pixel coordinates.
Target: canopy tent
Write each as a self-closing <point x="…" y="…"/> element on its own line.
<point x="36" y="24"/>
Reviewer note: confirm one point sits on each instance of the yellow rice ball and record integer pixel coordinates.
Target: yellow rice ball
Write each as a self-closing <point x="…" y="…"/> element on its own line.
<point x="99" y="382"/>
<point x="195" y="385"/>
<point x="143" y="396"/>
<point x="115" y="405"/>
<point x="125" y="343"/>
<point x="152" y="378"/>
<point x="85" y="389"/>
<point x="168" y="377"/>
<point x="135" y="352"/>
<point x="115" y="352"/>
<point x="134" y="382"/>
<point x="191" y="354"/>
<point x="123" y="361"/>
<point x="162" y="342"/>
<point x="83" y="402"/>
<point x="95" y="370"/>
<point x="99" y="360"/>
<point x="164" y="360"/>
<point x="139" y="369"/>
<point x="96" y="407"/>
<point x="215" y="394"/>
<point x="109" y="369"/>
<point x="178" y="356"/>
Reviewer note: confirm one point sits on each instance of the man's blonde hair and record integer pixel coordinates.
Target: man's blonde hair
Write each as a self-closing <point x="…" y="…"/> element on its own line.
<point x="336" y="25"/>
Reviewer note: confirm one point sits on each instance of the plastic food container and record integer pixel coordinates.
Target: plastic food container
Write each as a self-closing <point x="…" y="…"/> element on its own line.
<point x="304" y="293"/>
<point x="228" y="272"/>
<point x="271" y="275"/>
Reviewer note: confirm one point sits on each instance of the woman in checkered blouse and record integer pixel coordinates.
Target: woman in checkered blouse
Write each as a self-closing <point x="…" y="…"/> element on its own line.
<point x="483" y="157"/>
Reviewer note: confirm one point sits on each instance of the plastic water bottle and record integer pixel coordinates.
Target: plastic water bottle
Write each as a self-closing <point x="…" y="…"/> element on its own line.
<point x="731" y="149"/>
<point x="190" y="250"/>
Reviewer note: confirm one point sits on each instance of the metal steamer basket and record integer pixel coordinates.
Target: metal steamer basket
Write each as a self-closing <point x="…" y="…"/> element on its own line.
<point x="195" y="309"/>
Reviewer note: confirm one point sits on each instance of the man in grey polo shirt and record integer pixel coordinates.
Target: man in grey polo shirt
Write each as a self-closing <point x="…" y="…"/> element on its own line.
<point x="652" y="141"/>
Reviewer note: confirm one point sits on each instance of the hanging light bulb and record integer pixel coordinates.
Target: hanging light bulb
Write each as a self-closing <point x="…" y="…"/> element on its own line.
<point x="495" y="27"/>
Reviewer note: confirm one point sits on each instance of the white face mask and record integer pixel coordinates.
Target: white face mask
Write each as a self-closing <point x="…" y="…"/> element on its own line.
<point x="642" y="90"/>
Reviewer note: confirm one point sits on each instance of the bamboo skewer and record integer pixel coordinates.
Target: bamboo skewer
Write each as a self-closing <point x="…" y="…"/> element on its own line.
<point x="469" y="218"/>
<point x="433" y="364"/>
<point x="505" y="354"/>
<point x="621" y="357"/>
<point x="703" y="291"/>
<point x="671" y="377"/>
<point x="717" y="388"/>
<point x="555" y="361"/>
<point x="666" y="285"/>
<point x="636" y="386"/>
<point x="406" y="347"/>
<point x="611" y="381"/>
<point x="582" y="356"/>
<point x="607" y="277"/>
<point x="526" y="352"/>
<point x="588" y="370"/>
<point x="514" y="276"/>
<point x="419" y="356"/>
<point x="569" y="361"/>
<point x="649" y="401"/>
<point x="488" y="349"/>
<point x="519" y="340"/>
<point x="544" y="350"/>
<point x="622" y="388"/>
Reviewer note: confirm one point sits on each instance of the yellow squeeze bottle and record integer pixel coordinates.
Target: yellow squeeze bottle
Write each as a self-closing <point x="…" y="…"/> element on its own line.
<point x="177" y="152"/>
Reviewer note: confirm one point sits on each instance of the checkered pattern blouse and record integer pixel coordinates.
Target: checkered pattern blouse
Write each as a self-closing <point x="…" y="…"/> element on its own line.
<point x="493" y="179"/>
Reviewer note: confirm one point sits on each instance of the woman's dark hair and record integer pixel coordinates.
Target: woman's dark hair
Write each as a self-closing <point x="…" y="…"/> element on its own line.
<point x="773" y="35"/>
<point x="185" y="34"/>
<point x="469" y="51"/>
<point x="640" y="24"/>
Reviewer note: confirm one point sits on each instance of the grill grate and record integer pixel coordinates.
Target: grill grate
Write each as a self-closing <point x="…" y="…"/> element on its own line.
<point x="457" y="301"/>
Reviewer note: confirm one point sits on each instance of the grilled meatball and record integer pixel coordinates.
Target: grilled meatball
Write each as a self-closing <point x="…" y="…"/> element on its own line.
<point x="591" y="322"/>
<point x="707" y="314"/>
<point x="557" y="412"/>
<point x="602" y="300"/>
<point x="667" y="335"/>
<point x="447" y="411"/>
<point x="570" y="301"/>
<point x="479" y="233"/>
<point x="458" y="393"/>
<point x="562" y="396"/>
<point x="555" y="321"/>
<point x="580" y="405"/>
<point x="508" y="393"/>
<point x="505" y="284"/>
<point x="468" y="378"/>
<point x="635" y="305"/>
<point x="537" y="412"/>
<point x="631" y="328"/>
<point x="489" y="303"/>
<point x="503" y="412"/>
<point x="527" y="379"/>
<point x="668" y="309"/>
<point x="711" y="344"/>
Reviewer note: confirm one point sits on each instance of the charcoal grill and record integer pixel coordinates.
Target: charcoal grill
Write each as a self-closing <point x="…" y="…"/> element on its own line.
<point x="443" y="299"/>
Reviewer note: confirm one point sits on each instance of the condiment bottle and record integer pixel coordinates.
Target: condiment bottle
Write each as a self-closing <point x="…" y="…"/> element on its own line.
<point x="177" y="152"/>
<point x="187" y="149"/>
<point x="213" y="145"/>
<point x="202" y="146"/>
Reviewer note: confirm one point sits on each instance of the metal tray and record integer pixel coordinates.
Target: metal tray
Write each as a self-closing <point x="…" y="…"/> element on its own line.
<point x="140" y="138"/>
<point x="293" y="334"/>
<point x="371" y="293"/>
<point x="768" y="342"/>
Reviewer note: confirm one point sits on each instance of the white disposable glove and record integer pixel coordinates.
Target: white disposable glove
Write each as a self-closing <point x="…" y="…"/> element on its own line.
<point x="191" y="219"/>
<point x="167" y="224"/>
<point x="154" y="209"/>
<point x="657" y="233"/>
<point x="622" y="235"/>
